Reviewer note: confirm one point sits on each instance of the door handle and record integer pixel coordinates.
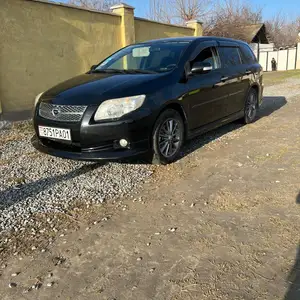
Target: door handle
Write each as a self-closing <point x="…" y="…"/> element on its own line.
<point x="224" y="78"/>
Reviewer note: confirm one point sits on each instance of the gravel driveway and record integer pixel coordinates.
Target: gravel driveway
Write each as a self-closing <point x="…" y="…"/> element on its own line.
<point x="31" y="182"/>
<point x="221" y="223"/>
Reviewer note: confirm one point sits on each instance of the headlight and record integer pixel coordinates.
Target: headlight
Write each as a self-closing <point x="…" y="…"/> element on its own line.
<point x="37" y="98"/>
<point x="116" y="108"/>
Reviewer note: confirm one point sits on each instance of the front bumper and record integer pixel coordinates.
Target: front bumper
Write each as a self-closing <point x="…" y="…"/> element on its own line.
<point x="92" y="155"/>
<point x="98" y="141"/>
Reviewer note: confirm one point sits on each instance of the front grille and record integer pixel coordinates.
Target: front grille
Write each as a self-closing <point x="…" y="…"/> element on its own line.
<point x="62" y="113"/>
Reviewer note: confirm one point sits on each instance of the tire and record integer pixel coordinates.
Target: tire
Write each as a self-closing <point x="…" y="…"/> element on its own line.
<point x="251" y="107"/>
<point x="167" y="137"/>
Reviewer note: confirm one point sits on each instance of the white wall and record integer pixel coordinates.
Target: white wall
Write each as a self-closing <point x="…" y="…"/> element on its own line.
<point x="291" y="59"/>
<point x="282" y="60"/>
<point x="263" y="60"/>
<point x="286" y="59"/>
<point x="298" y="57"/>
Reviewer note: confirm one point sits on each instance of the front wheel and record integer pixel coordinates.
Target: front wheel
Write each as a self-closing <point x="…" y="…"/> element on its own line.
<point x="251" y="106"/>
<point x="167" y="138"/>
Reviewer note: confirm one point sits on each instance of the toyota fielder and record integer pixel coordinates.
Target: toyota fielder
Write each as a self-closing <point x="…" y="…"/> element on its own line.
<point x="148" y="98"/>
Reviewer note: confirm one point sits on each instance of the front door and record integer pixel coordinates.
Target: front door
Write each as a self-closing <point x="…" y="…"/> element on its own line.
<point x="207" y="96"/>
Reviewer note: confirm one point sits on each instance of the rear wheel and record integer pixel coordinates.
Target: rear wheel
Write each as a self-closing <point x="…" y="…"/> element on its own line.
<point x="167" y="138"/>
<point x="251" y="106"/>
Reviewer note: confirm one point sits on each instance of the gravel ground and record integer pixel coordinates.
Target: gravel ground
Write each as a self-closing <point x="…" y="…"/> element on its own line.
<point x="288" y="89"/>
<point x="31" y="182"/>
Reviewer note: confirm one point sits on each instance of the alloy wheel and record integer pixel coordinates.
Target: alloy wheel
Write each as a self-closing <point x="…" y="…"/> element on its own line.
<point x="169" y="137"/>
<point x="251" y="107"/>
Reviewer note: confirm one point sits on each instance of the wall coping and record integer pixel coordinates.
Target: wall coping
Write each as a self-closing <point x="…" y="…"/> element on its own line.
<point x="74" y="7"/>
<point x="161" y="23"/>
<point x="122" y="5"/>
<point x="194" y="22"/>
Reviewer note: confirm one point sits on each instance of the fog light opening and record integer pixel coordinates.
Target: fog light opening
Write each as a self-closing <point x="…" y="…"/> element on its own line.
<point x="123" y="143"/>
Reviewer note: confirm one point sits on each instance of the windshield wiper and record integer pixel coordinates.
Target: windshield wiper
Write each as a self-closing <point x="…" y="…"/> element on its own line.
<point x="123" y="71"/>
<point x="108" y="71"/>
<point x="139" y="71"/>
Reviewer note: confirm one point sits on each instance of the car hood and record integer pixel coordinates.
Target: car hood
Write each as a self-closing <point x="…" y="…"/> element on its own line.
<point x="94" y="88"/>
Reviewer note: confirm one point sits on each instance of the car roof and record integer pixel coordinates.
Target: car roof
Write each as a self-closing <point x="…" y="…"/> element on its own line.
<point x="193" y="38"/>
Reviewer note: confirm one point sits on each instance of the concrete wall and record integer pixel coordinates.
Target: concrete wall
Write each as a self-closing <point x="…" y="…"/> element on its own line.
<point x="288" y="59"/>
<point x="282" y="60"/>
<point x="43" y="43"/>
<point x="148" y="30"/>
<point x="291" y="59"/>
<point x="298" y="56"/>
<point x="263" y="60"/>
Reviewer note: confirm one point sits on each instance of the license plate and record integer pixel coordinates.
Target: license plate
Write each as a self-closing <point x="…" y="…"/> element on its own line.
<point x="55" y="133"/>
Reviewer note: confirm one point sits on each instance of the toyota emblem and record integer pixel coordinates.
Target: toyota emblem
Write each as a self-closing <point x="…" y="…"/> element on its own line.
<point x="55" y="111"/>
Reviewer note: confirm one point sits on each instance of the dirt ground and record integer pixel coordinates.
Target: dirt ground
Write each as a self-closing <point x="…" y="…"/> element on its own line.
<point x="221" y="223"/>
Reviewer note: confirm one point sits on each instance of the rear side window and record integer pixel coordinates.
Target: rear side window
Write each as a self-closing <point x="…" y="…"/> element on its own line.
<point x="230" y="56"/>
<point x="248" y="56"/>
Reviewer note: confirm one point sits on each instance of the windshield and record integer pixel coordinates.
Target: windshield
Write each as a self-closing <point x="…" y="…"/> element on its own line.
<point x="145" y="58"/>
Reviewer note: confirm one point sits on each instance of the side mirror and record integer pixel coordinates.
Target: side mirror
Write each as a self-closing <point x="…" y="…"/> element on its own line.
<point x="93" y="67"/>
<point x="201" y="68"/>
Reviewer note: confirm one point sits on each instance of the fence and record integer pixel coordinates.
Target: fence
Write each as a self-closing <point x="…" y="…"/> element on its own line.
<point x="43" y="43"/>
<point x="287" y="59"/>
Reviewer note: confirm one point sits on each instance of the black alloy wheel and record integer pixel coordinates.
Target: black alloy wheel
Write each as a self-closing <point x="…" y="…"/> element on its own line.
<point x="168" y="137"/>
<point x="251" y="106"/>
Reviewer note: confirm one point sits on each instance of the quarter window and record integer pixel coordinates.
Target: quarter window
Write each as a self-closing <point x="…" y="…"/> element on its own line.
<point x="209" y="55"/>
<point x="230" y="56"/>
<point x="247" y="55"/>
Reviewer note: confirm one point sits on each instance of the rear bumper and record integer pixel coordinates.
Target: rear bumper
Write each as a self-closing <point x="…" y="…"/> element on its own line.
<point x="91" y="155"/>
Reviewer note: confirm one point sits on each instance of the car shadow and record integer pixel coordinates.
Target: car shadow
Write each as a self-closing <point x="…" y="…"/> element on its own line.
<point x="293" y="292"/>
<point x="269" y="106"/>
<point x="16" y="193"/>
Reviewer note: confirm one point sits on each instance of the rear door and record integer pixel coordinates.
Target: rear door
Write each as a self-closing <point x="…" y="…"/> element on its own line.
<point x="233" y="76"/>
<point x="206" y="96"/>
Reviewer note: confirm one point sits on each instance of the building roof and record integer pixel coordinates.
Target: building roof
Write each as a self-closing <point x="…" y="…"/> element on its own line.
<point x="254" y="33"/>
<point x="250" y="33"/>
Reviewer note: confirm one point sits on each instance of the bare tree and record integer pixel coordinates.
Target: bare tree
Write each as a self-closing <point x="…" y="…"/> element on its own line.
<point x="229" y="17"/>
<point x="160" y="11"/>
<point x="178" y="11"/>
<point x="103" y="5"/>
<point x="283" y="32"/>
<point x="186" y="10"/>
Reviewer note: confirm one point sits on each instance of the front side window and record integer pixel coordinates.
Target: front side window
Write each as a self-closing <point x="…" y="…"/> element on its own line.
<point x="156" y="57"/>
<point x="230" y="56"/>
<point x="209" y="55"/>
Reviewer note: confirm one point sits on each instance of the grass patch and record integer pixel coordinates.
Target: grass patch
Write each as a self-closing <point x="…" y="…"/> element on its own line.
<point x="272" y="78"/>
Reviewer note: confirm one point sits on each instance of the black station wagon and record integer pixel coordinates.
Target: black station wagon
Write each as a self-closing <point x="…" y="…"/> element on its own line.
<point x="148" y="98"/>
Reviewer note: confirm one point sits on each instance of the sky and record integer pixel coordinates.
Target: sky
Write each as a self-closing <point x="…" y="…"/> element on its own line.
<point x="288" y="8"/>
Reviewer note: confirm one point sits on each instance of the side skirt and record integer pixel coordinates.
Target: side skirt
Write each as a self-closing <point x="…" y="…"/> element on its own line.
<point x="214" y="125"/>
